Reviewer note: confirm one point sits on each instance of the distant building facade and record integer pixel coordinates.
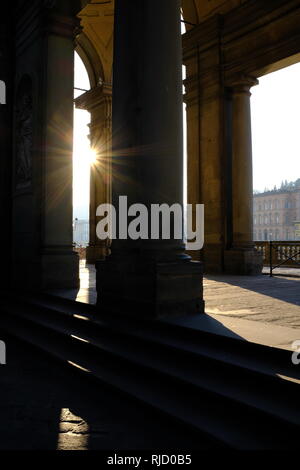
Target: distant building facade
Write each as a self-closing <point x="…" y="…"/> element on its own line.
<point x="276" y="214"/>
<point x="81" y="232"/>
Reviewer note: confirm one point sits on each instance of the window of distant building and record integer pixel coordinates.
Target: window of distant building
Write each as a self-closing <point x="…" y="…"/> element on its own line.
<point x="265" y="235"/>
<point x="277" y="219"/>
<point x="270" y="235"/>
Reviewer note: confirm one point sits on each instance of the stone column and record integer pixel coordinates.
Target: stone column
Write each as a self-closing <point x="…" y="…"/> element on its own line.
<point x="43" y="255"/>
<point x="205" y="131"/>
<point x="148" y="277"/>
<point x="242" y="258"/>
<point x="98" y="102"/>
<point x="60" y="264"/>
<point x="6" y="108"/>
<point x="191" y="99"/>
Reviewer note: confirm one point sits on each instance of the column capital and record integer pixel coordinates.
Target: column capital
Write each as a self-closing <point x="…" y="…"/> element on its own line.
<point x="243" y="83"/>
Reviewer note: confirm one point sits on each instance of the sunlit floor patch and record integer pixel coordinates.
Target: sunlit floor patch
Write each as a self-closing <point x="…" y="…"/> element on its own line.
<point x="73" y="431"/>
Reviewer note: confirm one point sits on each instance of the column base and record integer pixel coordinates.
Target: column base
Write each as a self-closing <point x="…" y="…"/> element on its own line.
<point x="243" y="262"/>
<point x="96" y="252"/>
<point x="211" y="256"/>
<point x="51" y="270"/>
<point x="60" y="270"/>
<point x="149" y="288"/>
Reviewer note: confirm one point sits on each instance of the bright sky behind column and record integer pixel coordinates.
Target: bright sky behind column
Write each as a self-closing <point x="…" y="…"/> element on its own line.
<point x="81" y="153"/>
<point x="275" y="106"/>
<point x="275" y="109"/>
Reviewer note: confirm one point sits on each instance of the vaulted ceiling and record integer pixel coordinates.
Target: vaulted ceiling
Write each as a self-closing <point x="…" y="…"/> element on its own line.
<point x="97" y="17"/>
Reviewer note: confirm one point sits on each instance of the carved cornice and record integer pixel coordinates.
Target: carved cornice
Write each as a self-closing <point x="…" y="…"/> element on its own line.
<point x="42" y="18"/>
<point x="99" y="96"/>
<point x="204" y="36"/>
<point x="58" y="25"/>
<point x="249" y="39"/>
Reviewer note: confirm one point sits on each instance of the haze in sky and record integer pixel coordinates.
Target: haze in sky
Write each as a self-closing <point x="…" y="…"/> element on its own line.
<point x="275" y="105"/>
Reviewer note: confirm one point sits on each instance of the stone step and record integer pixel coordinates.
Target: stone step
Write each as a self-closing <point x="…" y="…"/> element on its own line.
<point x="224" y="398"/>
<point x="253" y="357"/>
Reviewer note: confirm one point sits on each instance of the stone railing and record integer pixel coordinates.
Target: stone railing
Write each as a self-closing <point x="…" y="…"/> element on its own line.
<point x="280" y="254"/>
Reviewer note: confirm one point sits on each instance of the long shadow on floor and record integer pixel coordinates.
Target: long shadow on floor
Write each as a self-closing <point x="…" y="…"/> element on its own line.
<point x="281" y="288"/>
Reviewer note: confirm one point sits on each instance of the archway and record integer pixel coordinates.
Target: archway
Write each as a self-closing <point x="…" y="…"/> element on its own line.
<point x="276" y="146"/>
<point x="82" y="159"/>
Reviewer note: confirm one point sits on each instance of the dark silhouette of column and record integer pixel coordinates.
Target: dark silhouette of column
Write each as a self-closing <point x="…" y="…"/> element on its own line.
<point x="153" y="277"/>
<point x="6" y="141"/>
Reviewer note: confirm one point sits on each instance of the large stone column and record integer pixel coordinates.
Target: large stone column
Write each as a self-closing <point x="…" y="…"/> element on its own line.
<point x="206" y="119"/>
<point x="98" y="102"/>
<point x="242" y="258"/>
<point x="148" y="277"/>
<point x="43" y="255"/>
<point x="6" y="108"/>
<point x="59" y="262"/>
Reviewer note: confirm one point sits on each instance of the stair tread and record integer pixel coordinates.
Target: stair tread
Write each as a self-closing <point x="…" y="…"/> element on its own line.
<point x="209" y="419"/>
<point x="234" y="390"/>
<point x="229" y="356"/>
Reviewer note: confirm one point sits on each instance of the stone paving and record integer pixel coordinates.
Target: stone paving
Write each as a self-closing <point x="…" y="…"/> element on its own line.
<point x="260" y="298"/>
<point x="273" y="300"/>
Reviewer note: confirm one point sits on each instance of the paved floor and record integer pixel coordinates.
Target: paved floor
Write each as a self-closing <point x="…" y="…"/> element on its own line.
<point x="260" y="308"/>
<point x="261" y="298"/>
<point x="87" y="292"/>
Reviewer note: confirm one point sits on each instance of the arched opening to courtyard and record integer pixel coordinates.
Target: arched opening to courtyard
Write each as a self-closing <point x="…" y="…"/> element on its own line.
<point x="83" y="157"/>
<point x="275" y="105"/>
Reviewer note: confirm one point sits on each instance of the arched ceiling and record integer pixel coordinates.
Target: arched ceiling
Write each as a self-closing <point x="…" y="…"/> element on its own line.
<point x="97" y="20"/>
<point x="97" y="17"/>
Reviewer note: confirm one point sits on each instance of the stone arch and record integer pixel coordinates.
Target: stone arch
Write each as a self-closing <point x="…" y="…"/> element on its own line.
<point x="189" y="12"/>
<point x="90" y="58"/>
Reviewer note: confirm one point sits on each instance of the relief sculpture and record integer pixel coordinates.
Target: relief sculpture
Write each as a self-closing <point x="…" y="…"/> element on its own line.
<point x="24" y="138"/>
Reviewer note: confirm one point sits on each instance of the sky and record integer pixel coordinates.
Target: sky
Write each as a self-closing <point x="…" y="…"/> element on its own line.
<point x="275" y="111"/>
<point x="81" y="152"/>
